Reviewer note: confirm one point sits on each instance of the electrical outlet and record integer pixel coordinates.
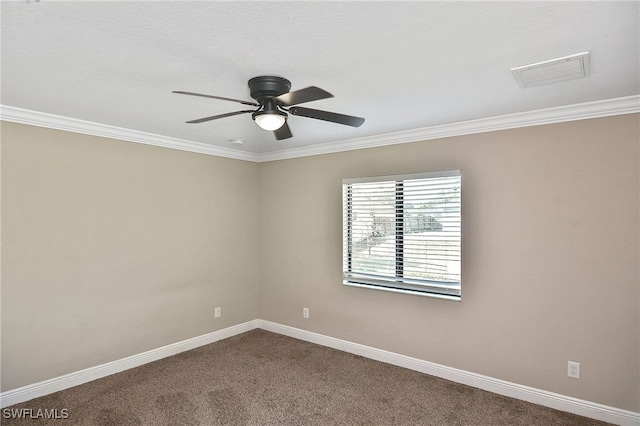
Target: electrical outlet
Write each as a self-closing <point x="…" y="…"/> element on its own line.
<point x="573" y="369"/>
<point x="217" y="312"/>
<point x="305" y="312"/>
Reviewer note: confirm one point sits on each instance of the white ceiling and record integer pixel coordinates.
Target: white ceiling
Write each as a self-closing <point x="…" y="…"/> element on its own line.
<point x="401" y="65"/>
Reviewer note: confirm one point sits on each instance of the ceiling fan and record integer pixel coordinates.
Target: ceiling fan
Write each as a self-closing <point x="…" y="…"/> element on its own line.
<point x="274" y="102"/>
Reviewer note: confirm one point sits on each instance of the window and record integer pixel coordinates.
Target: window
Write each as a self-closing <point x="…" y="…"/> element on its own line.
<point x="402" y="233"/>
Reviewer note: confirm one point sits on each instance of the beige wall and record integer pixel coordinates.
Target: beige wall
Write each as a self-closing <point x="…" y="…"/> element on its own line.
<point x="111" y="248"/>
<point x="550" y="256"/>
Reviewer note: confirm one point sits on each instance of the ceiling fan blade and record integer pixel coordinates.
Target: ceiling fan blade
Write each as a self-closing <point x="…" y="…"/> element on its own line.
<point x="311" y="93"/>
<point x="216" y="97"/>
<point x="215" y="117"/>
<point x="333" y="117"/>
<point x="283" y="132"/>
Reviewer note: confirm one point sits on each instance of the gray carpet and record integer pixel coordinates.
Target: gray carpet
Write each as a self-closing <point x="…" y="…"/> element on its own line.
<point x="262" y="378"/>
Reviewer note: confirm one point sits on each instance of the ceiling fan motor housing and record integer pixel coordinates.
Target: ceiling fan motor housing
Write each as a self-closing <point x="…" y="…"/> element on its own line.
<point x="266" y="87"/>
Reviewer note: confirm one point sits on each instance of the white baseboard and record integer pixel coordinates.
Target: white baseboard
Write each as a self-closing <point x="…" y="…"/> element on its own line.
<point x="56" y="384"/>
<point x="537" y="396"/>
<point x="501" y="387"/>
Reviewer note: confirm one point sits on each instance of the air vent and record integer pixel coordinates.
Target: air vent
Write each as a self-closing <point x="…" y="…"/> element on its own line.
<point x="552" y="71"/>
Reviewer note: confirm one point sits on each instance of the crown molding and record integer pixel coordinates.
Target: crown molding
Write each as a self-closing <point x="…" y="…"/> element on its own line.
<point x="51" y="121"/>
<point x="583" y="111"/>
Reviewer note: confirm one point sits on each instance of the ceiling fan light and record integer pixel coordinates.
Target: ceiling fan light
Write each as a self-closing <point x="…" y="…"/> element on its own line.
<point x="270" y="120"/>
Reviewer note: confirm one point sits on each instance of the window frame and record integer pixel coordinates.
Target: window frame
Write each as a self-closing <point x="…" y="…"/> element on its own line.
<point x="399" y="284"/>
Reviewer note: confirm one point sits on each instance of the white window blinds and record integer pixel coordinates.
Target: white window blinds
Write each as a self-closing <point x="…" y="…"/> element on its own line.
<point x="403" y="233"/>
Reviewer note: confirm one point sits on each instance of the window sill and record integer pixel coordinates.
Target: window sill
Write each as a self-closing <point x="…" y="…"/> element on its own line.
<point x="403" y="291"/>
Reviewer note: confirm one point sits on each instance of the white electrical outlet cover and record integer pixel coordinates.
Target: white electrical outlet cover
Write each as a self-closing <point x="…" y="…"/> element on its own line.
<point x="573" y="369"/>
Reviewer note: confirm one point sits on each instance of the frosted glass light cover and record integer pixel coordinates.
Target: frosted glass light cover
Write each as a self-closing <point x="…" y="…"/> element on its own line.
<point x="270" y="121"/>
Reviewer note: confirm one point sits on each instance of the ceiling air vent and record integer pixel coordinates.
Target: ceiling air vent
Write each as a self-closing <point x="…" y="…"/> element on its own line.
<point x="552" y="71"/>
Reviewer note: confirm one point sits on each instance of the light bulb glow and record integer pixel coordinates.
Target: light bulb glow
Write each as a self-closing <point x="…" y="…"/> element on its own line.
<point x="270" y="121"/>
